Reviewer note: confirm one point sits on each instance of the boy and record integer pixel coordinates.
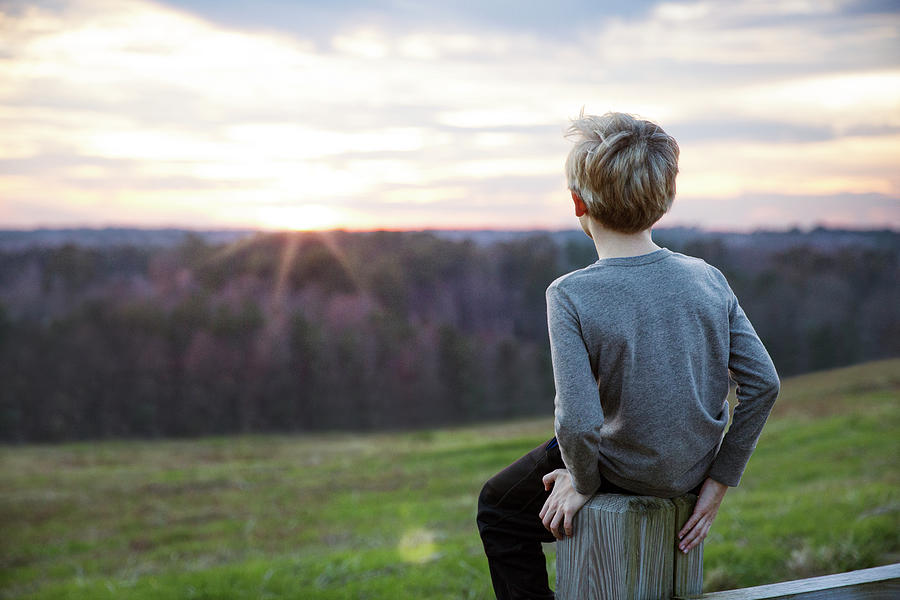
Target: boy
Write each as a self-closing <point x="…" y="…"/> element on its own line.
<point x="642" y="343"/>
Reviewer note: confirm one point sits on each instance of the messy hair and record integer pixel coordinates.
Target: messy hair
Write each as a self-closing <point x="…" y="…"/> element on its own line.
<point x="623" y="168"/>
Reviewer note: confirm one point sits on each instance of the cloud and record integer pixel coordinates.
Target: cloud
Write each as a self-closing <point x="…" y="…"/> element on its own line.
<point x="210" y="113"/>
<point x="840" y="165"/>
<point x="783" y="211"/>
<point x="320" y="21"/>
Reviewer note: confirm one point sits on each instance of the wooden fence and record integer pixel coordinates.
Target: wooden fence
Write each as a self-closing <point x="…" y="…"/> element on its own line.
<point x="624" y="548"/>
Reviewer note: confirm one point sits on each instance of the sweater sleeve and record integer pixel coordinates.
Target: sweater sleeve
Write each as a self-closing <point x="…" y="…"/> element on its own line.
<point x="757" y="382"/>
<point x="578" y="413"/>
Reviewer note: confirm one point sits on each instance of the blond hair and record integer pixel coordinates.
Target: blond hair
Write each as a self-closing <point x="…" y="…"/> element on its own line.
<point x="623" y="168"/>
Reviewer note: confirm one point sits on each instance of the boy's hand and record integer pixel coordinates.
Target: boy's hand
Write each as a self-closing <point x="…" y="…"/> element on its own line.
<point x="562" y="505"/>
<point x="705" y="511"/>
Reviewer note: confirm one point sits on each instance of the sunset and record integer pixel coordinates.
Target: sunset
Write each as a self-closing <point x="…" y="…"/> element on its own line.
<point x="385" y="299"/>
<point x="381" y="115"/>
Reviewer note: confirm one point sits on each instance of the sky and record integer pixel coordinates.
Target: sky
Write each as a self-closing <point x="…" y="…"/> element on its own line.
<point x="403" y="115"/>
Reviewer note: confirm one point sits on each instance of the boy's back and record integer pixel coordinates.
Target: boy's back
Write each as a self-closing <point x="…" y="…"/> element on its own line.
<point x="642" y="348"/>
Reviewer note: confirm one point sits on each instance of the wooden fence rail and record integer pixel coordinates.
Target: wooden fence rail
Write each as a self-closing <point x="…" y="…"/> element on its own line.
<point x="877" y="583"/>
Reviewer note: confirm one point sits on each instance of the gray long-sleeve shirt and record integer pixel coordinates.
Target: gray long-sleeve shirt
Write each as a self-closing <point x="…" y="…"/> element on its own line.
<point x="642" y="347"/>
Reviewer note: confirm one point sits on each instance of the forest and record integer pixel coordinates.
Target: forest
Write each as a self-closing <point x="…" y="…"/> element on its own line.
<point x="312" y="331"/>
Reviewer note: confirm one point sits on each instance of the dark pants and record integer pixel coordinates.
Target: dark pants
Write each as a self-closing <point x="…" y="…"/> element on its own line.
<point x="511" y="529"/>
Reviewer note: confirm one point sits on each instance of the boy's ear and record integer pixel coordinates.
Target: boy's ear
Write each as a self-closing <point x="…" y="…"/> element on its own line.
<point x="580" y="207"/>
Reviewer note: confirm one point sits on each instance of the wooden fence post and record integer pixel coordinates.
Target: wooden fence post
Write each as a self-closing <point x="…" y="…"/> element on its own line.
<point x="623" y="548"/>
<point x="688" y="567"/>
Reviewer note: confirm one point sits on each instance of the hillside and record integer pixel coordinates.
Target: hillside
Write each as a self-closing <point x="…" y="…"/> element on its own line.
<point x="330" y="516"/>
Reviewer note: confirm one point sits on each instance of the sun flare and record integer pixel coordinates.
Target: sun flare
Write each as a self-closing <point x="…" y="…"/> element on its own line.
<point x="301" y="217"/>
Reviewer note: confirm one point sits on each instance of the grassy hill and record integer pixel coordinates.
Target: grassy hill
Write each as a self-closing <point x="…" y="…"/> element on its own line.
<point x="392" y="515"/>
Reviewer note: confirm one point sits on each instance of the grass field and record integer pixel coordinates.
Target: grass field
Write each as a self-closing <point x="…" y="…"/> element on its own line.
<point x="392" y="515"/>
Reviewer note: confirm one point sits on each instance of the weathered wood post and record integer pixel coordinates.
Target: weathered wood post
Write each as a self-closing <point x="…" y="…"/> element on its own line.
<point x="624" y="548"/>
<point x="688" y="567"/>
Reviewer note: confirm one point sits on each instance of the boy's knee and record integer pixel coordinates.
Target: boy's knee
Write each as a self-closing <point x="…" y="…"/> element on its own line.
<point x="487" y="501"/>
<point x="488" y="496"/>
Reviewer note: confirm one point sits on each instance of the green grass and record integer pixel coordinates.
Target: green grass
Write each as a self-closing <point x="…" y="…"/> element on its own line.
<point x="392" y="515"/>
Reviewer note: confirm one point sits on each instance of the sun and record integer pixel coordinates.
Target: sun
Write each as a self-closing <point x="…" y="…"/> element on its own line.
<point x="300" y="217"/>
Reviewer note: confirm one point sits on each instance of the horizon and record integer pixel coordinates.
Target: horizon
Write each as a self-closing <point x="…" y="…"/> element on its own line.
<point x="523" y="230"/>
<point x="381" y="115"/>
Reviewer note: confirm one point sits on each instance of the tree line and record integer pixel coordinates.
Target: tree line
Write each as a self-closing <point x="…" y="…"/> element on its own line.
<point x="361" y="331"/>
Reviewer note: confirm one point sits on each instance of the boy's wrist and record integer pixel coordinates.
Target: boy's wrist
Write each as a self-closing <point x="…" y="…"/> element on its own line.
<point x="719" y="487"/>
